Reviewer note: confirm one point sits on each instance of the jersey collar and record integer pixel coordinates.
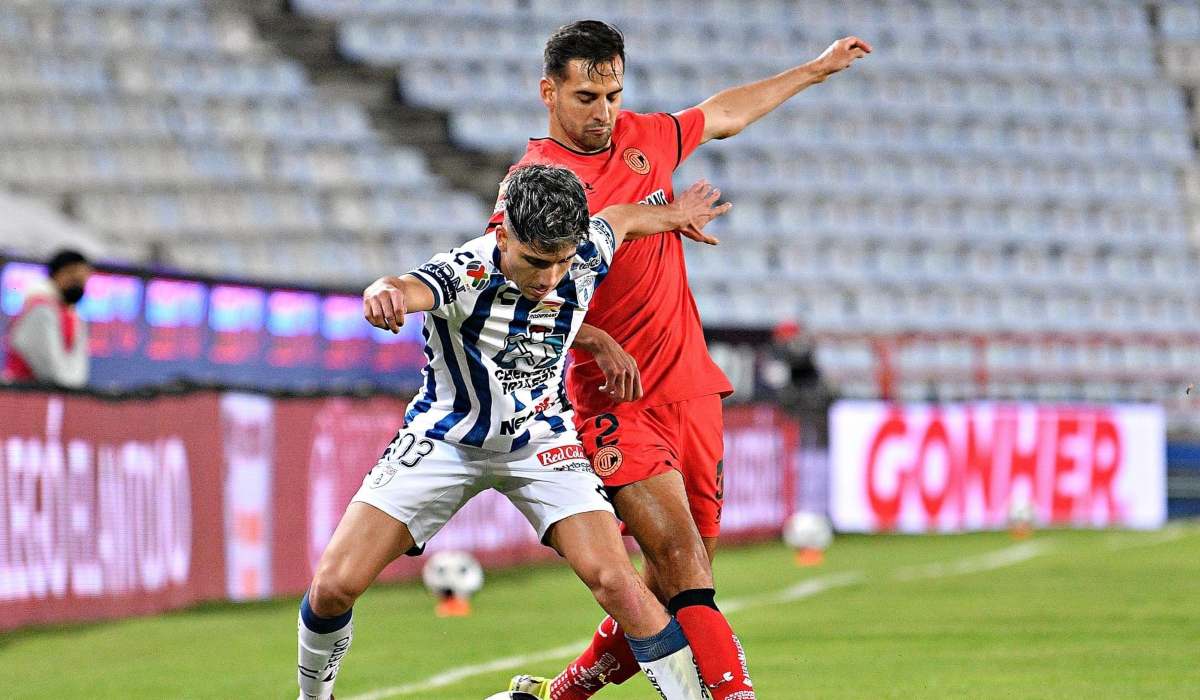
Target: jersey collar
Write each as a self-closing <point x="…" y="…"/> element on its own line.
<point x="565" y="147"/>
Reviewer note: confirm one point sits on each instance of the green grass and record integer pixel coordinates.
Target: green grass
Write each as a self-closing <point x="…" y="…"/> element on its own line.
<point x="1093" y="614"/>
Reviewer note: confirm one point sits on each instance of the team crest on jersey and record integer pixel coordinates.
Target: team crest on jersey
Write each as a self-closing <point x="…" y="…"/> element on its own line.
<point x="636" y="160"/>
<point x="540" y="348"/>
<point x="585" y="286"/>
<point x="477" y="276"/>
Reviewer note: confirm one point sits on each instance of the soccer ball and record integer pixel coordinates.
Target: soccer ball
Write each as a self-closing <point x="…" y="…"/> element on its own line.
<point x="807" y="531"/>
<point x="452" y="574"/>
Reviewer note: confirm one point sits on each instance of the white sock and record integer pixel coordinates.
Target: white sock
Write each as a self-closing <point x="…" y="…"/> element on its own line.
<point x="667" y="661"/>
<point x="675" y="676"/>
<point x="321" y="653"/>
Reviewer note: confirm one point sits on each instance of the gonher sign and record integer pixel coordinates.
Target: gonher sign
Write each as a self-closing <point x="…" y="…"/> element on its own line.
<point x="953" y="468"/>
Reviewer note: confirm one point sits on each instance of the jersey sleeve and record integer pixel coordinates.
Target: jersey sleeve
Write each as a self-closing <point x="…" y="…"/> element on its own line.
<point x="602" y="237"/>
<point x="454" y="279"/>
<point x="671" y="138"/>
<point x="596" y="253"/>
<point x="691" y="131"/>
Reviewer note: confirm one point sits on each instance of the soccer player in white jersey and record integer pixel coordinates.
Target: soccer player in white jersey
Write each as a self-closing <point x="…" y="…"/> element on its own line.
<point x="501" y="312"/>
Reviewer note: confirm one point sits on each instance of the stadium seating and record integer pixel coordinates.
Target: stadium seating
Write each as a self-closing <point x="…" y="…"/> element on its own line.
<point x="1006" y="170"/>
<point x="995" y="168"/>
<point x="168" y="125"/>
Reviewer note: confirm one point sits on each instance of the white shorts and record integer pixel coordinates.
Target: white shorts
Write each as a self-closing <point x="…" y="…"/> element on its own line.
<point x="423" y="482"/>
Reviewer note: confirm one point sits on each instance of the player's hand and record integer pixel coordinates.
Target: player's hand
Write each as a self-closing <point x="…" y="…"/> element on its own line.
<point x="384" y="305"/>
<point x="696" y="207"/>
<point x="842" y="53"/>
<point x="622" y="380"/>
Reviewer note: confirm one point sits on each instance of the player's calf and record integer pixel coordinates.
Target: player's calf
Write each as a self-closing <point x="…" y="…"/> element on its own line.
<point x="608" y="659"/>
<point x="591" y="544"/>
<point x="719" y="653"/>
<point x="323" y="643"/>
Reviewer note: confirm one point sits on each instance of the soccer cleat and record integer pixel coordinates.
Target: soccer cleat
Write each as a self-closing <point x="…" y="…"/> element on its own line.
<point x="526" y="687"/>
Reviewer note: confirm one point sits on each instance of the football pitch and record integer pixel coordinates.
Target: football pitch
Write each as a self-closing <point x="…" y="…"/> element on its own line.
<point x="1064" y="614"/>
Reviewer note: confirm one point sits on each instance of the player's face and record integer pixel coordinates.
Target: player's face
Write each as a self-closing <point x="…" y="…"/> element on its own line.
<point x="536" y="273"/>
<point x="584" y="105"/>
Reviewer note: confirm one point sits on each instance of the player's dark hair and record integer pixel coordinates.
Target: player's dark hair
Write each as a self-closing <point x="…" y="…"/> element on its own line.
<point x="595" y="43"/>
<point x="64" y="258"/>
<point x="545" y="207"/>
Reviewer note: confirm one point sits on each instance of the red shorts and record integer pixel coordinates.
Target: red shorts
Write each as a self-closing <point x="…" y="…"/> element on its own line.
<point x="632" y="444"/>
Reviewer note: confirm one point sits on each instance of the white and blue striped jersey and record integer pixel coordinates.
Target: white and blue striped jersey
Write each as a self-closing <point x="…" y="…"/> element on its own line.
<point x="495" y="360"/>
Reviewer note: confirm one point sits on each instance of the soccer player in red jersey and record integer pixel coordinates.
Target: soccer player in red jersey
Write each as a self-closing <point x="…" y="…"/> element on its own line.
<point x="647" y="394"/>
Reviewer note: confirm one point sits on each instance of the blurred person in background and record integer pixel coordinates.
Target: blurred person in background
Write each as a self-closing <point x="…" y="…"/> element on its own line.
<point x="48" y="341"/>
<point x="790" y="377"/>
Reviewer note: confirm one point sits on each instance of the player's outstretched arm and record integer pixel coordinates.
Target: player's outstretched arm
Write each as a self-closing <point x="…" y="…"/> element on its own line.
<point x="689" y="214"/>
<point x="729" y="111"/>
<point x="388" y="299"/>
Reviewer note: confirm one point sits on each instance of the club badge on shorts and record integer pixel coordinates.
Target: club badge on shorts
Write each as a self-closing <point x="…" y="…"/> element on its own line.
<point x="607" y="461"/>
<point x="381" y="474"/>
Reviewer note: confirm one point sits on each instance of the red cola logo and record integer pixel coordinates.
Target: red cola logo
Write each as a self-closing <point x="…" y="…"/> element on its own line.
<point x="561" y="454"/>
<point x="967" y="464"/>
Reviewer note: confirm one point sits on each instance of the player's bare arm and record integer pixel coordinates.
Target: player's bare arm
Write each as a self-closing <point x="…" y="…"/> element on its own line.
<point x="729" y="111"/>
<point x="689" y="214"/>
<point x="388" y="299"/>
<point x="622" y="380"/>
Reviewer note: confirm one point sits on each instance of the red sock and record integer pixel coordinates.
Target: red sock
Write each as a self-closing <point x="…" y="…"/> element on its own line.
<point x="607" y="660"/>
<point x="718" y="652"/>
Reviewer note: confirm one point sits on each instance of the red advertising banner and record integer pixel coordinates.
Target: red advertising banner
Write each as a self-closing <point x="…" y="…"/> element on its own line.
<point x="973" y="466"/>
<point x="113" y="508"/>
<point x="107" y="508"/>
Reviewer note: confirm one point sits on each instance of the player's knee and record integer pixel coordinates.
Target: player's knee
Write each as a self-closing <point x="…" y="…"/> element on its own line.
<point x="614" y="587"/>
<point x="331" y="595"/>
<point x="678" y="566"/>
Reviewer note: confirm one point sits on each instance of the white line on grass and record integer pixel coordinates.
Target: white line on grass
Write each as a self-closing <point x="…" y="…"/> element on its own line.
<point x="974" y="564"/>
<point x="455" y="675"/>
<point x="804" y="589"/>
<point x="1169" y="533"/>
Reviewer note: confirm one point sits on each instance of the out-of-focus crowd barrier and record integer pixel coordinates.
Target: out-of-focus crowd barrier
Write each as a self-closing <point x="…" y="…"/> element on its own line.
<point x="117" y="507"/>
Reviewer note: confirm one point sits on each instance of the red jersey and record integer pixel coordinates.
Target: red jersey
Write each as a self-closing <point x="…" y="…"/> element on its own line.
<point x="644" y="303"/>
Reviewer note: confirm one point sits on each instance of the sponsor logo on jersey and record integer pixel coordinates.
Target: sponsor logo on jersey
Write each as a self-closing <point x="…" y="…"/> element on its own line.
<point x="540" y="348"/>
<point x="607" y="460"/>
<point x="657" y="197"/>
<point x="582" y="266"/>
<point x="477" y="275"/>
<point x="513" y="379"/>
<point x="446" y="280"/>
<point x="546" y="308"/>
<point x="512" y="425"/>
<point x="636" y="160"/>
<point x="561" y="454"/>
<point x="583" y="467"/>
